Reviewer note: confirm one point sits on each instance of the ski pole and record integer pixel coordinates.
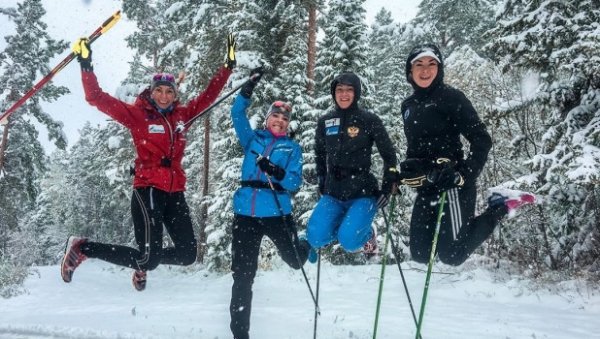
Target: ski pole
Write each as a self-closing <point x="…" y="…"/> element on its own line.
<point x="395" y="250"/>
<point x="180" y="128"/>
<point x="289" y="230"/>
<point x="318" y="284"/>
<point x="106" y="25"/>
<point x="383" y="264"/>
<point x="431" y="259"/>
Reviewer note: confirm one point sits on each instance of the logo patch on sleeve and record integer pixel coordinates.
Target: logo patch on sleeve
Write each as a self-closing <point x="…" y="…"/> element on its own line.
<point x="406" y="113"/>
<point x="156" y="129"/>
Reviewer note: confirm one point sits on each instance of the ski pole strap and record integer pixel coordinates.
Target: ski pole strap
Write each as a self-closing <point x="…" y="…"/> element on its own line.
<point x="262" y="184"/>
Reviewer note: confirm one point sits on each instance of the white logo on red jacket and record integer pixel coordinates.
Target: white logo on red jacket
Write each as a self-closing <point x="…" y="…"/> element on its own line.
<point x="156" y="129"/>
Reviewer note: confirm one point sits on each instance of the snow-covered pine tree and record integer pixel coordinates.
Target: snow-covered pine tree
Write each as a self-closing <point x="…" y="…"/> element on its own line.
<point x="41" y="237"/>
<point x="454" y="23"/>
<point x="344" y="48"/>
<point x="22" y="63"/>
<point x="97" y="174"/>
<point x="155" y="33"/>
<point x="560" y="40"/>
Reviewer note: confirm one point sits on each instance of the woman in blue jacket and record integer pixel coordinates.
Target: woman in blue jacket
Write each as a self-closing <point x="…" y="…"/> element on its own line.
<point x="272" y="169"/>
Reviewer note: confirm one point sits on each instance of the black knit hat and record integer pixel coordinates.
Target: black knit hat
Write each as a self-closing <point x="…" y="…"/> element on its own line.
<point x="163" y="79"/>
<point x="281" y="107"/>
<point x="347" y="78"/>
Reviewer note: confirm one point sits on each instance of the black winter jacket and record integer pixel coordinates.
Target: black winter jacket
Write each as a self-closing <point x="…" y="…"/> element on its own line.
<point x="343" y="147"/>
<point x="434" y="121"/>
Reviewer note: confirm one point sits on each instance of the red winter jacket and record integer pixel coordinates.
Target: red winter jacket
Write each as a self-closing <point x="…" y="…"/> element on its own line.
<point x="154" y="136"/>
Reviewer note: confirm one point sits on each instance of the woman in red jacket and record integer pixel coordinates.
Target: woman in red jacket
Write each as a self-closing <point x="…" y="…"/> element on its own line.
<point x="157" y="122"/>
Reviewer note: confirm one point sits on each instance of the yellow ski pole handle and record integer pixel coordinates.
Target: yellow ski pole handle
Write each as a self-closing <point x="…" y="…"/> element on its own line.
<point x="110" y="22"/>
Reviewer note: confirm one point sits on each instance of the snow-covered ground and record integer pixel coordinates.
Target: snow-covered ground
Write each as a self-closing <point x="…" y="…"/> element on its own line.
<point x="193" y="303"/>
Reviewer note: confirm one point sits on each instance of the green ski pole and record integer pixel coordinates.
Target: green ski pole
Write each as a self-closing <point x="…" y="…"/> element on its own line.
<point x="383" y="264"/>
<point x="430" y="265"/>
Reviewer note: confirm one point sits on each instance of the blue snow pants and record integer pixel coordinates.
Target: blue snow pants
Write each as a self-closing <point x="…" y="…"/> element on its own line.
<point x="347" y="221"/>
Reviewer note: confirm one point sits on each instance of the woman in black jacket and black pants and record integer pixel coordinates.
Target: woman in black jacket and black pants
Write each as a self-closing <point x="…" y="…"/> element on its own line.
<point x="435" y="117"/>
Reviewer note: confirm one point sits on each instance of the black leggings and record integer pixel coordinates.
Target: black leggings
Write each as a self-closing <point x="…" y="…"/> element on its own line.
<point x="152" y="208"/>
<point x="247" y="236"/>
<point x="460" y="231"/>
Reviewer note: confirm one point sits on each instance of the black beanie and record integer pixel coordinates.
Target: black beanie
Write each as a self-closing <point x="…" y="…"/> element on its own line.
<point x="347" y="78"/>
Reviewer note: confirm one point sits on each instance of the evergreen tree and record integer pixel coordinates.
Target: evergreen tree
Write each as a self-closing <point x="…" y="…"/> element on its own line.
<point x="454" y="23"/>
<point x="40" y="239"/>
<point x="22" y="62"/>
<point x="97" y="172"/>
<point x="560" y="41"/>
<point x="343" y="48"/>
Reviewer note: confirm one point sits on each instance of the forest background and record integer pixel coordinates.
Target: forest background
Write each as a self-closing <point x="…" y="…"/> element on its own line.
<point x="531" y="69"/>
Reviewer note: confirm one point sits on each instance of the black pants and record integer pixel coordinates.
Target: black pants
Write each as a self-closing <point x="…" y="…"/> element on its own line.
<point x="460" y="231"/>
<point x="247" y="236"/>
<point x="151" y="209"/>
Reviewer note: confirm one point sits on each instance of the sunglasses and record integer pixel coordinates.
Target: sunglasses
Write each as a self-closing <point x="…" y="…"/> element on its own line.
<point x="163" y="77"/>
<point x="282" y="106"/>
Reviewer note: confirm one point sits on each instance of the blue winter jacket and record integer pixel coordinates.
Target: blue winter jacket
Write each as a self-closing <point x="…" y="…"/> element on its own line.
<point x="282" y="151"/>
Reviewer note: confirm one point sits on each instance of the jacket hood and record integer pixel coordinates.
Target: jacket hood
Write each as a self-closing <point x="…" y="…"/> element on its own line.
<point x="425" y="49"/>
<point x="347" y="78"/>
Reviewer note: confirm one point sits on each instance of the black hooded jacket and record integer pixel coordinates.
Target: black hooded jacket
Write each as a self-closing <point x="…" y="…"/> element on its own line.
<point x="344" y="141"/>
<point x="436" y="117"/>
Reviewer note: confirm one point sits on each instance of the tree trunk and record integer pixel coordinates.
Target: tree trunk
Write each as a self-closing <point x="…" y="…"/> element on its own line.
<point x="202" y="246"/>
<point x="312" y="47"/>
<point x="12" y="97"/>
<point x="3" y="146"/>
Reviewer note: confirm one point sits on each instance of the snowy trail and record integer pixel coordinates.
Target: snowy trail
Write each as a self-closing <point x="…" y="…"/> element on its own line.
<point x="100" y="303"/>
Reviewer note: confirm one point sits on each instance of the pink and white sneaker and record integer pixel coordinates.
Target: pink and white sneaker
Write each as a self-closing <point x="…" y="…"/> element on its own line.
<point x="512" y="199"/>
<point x="514" y="203"/>
<point x="73" y="257"/>
<point x="138" y="279"/>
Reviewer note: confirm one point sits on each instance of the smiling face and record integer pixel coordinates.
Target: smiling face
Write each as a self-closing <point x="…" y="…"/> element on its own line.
<point x="163" y="96"/>
<point x="278" y="123"/>
<point x="344" y="95"/>
<point x="424" y="70"/>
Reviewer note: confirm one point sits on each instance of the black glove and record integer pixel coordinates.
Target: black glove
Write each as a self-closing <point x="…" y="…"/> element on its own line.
<point x="81" y="48"/>
<point x="230" y="61"/>
<point x="413" y="172"/>
<point x="255" y="76"/>
<point x="270" y="168"/>
<point x="390" y="180"/>
<point x="445" y="178"/>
